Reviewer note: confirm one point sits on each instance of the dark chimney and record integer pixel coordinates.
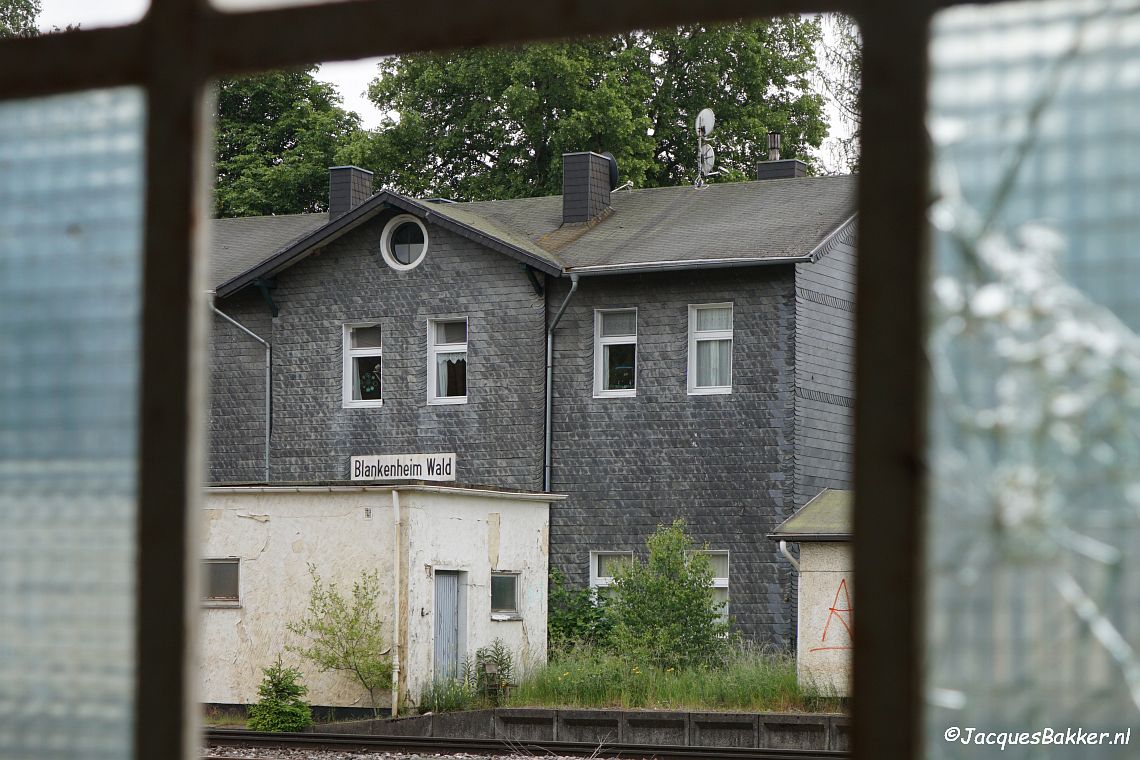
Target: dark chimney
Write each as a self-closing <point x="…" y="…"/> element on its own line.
<point x="349" y="186"/>
<point x="585" y="186"/>
<point x="774" y="168"/>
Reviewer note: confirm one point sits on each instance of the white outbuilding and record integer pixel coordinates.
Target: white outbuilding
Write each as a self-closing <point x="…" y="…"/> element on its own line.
<point x="459" y="567"/>
<point x="822" y="528"/>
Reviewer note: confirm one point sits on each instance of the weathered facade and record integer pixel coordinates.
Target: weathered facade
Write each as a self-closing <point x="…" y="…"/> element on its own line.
<point x="730" y="428"/>
<point x="273" y="534"/>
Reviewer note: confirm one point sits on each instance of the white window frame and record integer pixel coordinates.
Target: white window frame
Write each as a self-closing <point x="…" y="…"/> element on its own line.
<point x="600" y="391"/>
<point x="445" y="348"/>
<point x="603" y="581"/>
<point x="386" y="241"/>
<point x="718" y="582"/>
<point x="500" y="615"/>
<point x="221" y="601"/>
<point x="348" y="354"/>
<point x="696" y="336"/>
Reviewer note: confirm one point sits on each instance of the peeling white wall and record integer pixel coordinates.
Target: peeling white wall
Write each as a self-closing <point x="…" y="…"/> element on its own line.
<point x="826" y="607"/>
<point x="278" y="534"/>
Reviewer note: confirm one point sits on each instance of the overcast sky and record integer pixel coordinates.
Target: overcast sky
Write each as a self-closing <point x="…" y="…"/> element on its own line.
<point x="351" y="78"/>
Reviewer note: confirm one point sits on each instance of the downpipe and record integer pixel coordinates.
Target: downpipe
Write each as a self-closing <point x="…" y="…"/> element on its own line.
<point x="550" y="382"/>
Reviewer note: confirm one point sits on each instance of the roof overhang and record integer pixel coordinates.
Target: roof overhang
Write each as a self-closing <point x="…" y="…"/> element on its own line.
<point x="826" y="517"/>
<point x="344" y="224"/>
<point x="685" y="264"/>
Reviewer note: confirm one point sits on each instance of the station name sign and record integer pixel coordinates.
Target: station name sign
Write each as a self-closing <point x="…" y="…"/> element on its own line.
<point x="404" y="467"/>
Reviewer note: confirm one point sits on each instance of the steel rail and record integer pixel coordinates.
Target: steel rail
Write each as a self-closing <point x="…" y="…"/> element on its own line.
<point x="222" y="737"/>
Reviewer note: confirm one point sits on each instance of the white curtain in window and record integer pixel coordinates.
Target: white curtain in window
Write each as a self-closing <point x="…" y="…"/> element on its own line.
<point x="714" y="358"/>
<point x="719" y="318"/>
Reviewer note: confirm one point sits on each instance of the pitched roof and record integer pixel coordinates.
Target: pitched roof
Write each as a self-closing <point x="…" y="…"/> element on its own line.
<point x="827" y="517"/>
<point x="241" y="243"/>
<point x="738" y="223"/>
<point x="748" y="221"/>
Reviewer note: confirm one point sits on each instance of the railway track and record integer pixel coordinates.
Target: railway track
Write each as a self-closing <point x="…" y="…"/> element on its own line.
<point x="219" y="737"/>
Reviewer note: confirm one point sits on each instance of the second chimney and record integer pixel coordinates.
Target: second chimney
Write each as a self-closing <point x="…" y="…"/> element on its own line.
<point x="774" y="168"/>
<point x="349" y="186"/>
<point x="585" y="186"/>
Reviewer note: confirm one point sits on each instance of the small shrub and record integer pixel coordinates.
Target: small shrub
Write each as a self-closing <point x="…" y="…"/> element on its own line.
<point x="491" y="688"/>
<point x="663" y="609"/>
<point x="575" y="618"/>
<point x="448" y="695"/>
<point x="280" y="707"/>
<point x="344" y="633"/>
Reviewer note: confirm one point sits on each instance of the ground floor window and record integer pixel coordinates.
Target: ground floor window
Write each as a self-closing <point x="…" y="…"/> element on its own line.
<point x="222" y="581"/>
<point x="504" y="595"/>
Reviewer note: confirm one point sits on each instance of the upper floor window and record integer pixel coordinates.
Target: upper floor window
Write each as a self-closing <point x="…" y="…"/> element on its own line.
<point x="404" y="242"/>
<point x="447" y="361"/>
<point x="362" y="365"/>
<point x="615" y="352"/>
<point x="710" y="348"/>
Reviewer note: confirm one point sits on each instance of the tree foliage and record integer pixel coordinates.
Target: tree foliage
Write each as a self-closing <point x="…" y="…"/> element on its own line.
<point x="494" y="122"/>
<point x="575" y="617"/>
<point x="842" y="75"/>
<point x="663" y="609"/>
<point x="277" y="136"/>
<point x="343" y="633"/>
<point x="280" y="707"/>
<point x="18" y="17"/>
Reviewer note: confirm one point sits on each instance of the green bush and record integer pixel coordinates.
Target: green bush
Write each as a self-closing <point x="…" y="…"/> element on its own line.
<point x="280" y="707"/>
<point x="663" y="610"/>
<point x="749" y="679"/>
<point x="575" y="617"/>
<point x="344" y="633"/>
<point x="448" y="695"/>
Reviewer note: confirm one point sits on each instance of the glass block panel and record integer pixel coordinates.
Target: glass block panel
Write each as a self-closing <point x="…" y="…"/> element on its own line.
<point x="1033" y="563"/>
<point x="71" y="192"/>
<point x="366" y="337"/>
<point x="717" y="318"/>
<point x="504" y="593"/>
<point x="619" y="324"/>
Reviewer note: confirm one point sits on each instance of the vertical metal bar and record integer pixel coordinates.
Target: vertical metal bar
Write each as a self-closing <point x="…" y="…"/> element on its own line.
<point x="170" y="472"/>
<point x="890" y="384"/>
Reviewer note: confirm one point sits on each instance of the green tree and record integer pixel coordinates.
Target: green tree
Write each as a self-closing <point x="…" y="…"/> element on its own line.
<point x="842" y="74"/>
<point x="18" y="18"/>
<point x="576" y="617"/>
<point x="343" y="633"/>
<point x="277" y="136"/>
<point x="494" y="122"/>
<point x="663" y="609"/>
<point x="280" y="707"/>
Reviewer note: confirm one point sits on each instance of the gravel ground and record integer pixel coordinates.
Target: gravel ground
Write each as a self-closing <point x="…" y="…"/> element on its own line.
<point x="302" y="754"/>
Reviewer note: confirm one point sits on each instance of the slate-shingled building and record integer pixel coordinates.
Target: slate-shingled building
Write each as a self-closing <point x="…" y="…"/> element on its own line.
<point x="701" y="365"/>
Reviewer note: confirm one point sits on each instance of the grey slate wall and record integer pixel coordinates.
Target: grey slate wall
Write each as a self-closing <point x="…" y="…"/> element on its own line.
<point x="236" y="395"/>
<point x="497" y="435"/>
<point x="825" y="370"/>
<point x="722" y="462"/>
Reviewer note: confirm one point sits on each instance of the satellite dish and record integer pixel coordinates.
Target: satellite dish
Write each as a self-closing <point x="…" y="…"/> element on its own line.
<point x="708" y="159"/>
<point x="613" y="169"/>
<point x="706" y="120"/>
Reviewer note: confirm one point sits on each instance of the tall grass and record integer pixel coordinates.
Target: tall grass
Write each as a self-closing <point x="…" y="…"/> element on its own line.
<point x="752" y="680"/>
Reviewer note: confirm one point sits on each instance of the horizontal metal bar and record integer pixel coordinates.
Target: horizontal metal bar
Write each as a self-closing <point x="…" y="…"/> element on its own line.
<point x="343" y="742"/>
<point x="234" y="43"/>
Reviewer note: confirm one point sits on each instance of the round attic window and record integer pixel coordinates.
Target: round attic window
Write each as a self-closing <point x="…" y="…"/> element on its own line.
<point x="404" y="242"/>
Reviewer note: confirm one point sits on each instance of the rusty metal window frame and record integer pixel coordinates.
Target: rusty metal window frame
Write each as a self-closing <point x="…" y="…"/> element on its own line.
<point x="181" y="45"/>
